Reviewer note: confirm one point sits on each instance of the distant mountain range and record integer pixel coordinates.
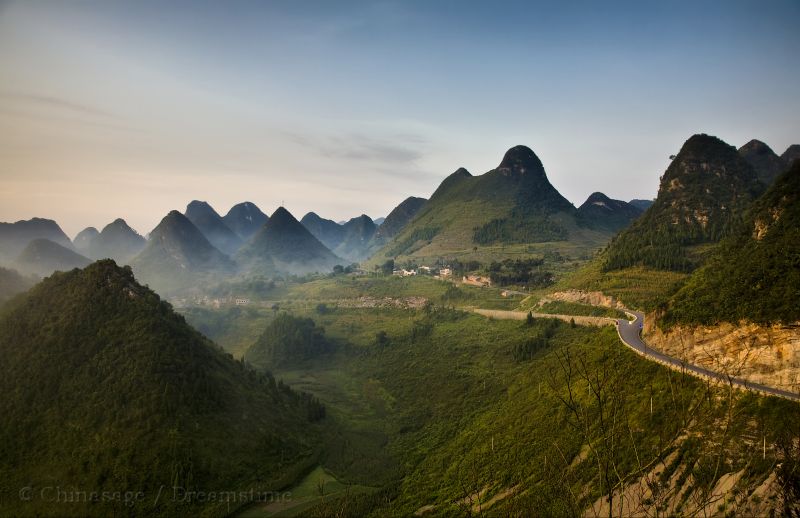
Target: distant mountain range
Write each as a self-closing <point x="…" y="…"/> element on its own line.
<point x="14" y="237"/>
<point x="213" y="227"/>
<point x="513" y="204"/>
<point x="283" y="244"/>
<point x="601" y="211"/>
<point x="178" y="254"/>
<point x="42" y="257"/>
<point x="116" y="241"/>
<point x="245" y="219"/>
<point x="701" y="198"/>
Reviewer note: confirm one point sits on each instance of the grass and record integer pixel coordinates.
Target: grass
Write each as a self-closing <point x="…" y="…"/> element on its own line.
<point x="314" y="489"/>
<point x="431" y="418"/>
<point x="435" y="417"/>
<point x="638" y="287"/>
<point x="571" y="308"/>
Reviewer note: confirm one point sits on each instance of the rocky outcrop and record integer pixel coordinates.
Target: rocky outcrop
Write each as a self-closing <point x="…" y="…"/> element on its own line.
<point x="592" y="298"/>
<point x="769" y="355"/>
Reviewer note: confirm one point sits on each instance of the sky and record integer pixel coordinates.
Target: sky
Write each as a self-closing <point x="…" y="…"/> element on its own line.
<point x="131" y="109"/>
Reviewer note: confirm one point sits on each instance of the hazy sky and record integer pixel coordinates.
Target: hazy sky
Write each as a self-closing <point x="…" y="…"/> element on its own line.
<point x="130" y="109"/>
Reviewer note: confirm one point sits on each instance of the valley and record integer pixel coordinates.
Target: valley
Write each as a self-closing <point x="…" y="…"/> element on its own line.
<point x="494" y="350"/>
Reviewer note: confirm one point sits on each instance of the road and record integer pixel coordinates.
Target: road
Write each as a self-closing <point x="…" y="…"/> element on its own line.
<point x="630" y="334"/>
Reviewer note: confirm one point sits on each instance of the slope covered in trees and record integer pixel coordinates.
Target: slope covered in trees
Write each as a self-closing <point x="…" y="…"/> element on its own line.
<point x="755" y="274"/>
<point x="114" y="392"/>
<point x="701" y="199"/>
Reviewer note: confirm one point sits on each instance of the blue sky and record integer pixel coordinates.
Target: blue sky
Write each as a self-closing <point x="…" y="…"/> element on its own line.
<point x="130" y="109"/>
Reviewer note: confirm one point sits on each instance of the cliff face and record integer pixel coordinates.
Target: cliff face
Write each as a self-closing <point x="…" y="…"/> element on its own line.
<point x="769" y="355"/>
<point x="593" y="298"/>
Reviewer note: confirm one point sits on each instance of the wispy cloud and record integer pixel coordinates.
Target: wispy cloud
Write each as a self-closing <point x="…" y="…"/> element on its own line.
<point x="58" y="103"/>
<point x="396" y="149"/>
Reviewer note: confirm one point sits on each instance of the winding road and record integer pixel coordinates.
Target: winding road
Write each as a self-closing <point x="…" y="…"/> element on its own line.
<point x="630" y="334"/>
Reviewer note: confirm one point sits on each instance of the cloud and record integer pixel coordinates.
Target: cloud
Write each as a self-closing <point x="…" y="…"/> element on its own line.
<point x="396" y="149"/>
<point x="48" y="101"/>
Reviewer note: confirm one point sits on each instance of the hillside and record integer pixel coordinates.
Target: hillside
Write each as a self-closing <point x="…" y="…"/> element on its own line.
<point x="14" y="237"/>
<point x="283" y="245"/>
<point x="12" y="283"/>
<point x="211" y="224"/>
<point x="245" y="219"/>
<point x="754" y="275"/>
<point x="642" y="205"/>
<point x="701" y="198"/>
<point x="600" y="211"/>
<point x="357" y="240"/>
<point x="116" y="241"/>
<point x="767" y="164"/>
<point x="83" y="240"/>
<point x="399" y="217"/>
<point x="327" y="231"/>
<point x="791" y="154"/>
<point x="177" y="255"/>
<point x="514" y="204"/>
<point x="42" y="257"/>
<point x="115" y="392"/>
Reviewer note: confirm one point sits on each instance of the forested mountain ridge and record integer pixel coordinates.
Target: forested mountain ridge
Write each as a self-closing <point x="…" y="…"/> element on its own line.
<point x="105" y="372"/>
<point x="702" y="196"/>
<point x="513" y="204"/>
<point x="754" y="275"/>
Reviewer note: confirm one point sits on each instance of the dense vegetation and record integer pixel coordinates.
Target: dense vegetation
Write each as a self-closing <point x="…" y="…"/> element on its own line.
<point x="754" y="275"/>
<point x="702" y="196"/>
<point x="403" y="246"/>
<point x="527" y="273"/>
<point x="519" y="227"/>
<point x="11" y="283"/>
<point x="288" y="340"/>
<point x="459" y="413"/>
<point x="107" y="390"/>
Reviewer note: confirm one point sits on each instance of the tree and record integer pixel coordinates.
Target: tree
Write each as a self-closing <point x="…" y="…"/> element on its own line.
<point x="529" y="319"/>
<point x="388" y="267"/>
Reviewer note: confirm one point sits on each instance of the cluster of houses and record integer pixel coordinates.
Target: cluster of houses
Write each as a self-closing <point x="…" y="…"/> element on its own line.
<point x="205" y="300"/>
<point x="439" y="273"/>
<point x="444" y="273"/>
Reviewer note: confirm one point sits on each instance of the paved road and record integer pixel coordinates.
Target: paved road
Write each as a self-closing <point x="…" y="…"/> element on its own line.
<point x="630" y="334"/>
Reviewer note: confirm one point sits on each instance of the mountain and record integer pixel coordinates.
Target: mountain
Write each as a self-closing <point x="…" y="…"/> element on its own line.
<point x="206" y="219"/>
<point x="602" y="212"/>
<point x="513" y="204"/>
<point x="327" y="231"/>
<point x="350" y="240"/>
<point x="284" y="245"/>
<point x="116" y="241"/>
<point x="14" y="237"/>
<point x="379" y="221"/>
<point x="245" y="219"/>
<point x="702" y="196"/>
<point x="399" y="217"/>
<point x="114" y="392"/>
<point x="358" y="235"/>
<point x="177" y="255"/>
<point x="767" y="164"/>
<point x="12" y="283"/>
<point x="791" y="154"/>
<point x="754" y="274"/>
<point x="642" y="205"/>
<point x="42" y="257"/>
<point x="83" y="240"/>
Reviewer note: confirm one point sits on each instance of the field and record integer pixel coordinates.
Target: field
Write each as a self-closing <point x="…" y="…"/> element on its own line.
<point x="452" y="412"/>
